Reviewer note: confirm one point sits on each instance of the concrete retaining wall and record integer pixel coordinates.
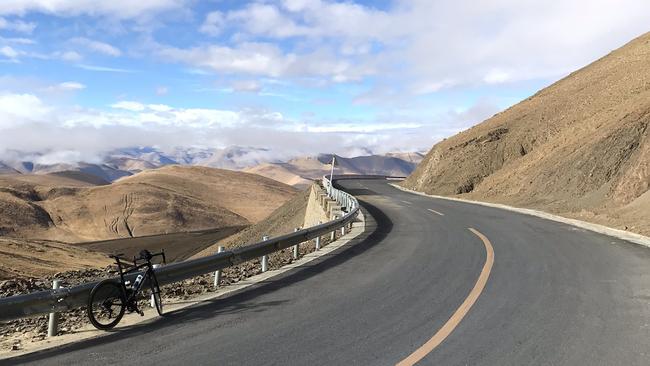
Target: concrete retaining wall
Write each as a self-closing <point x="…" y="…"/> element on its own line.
<point x="318" y="206"/>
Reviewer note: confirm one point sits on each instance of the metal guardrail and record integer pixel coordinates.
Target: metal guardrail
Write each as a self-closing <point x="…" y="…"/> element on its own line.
<point x="63" y="299"/>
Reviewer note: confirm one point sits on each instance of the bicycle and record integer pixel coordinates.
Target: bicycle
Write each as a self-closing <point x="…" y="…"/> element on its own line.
<point x="110" y="298"/>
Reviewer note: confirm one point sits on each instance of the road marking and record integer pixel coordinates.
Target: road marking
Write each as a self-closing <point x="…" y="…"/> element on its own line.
<point x="460" y="313"/>
<point x="436" y="212"/>
<point x="407" y="202"/>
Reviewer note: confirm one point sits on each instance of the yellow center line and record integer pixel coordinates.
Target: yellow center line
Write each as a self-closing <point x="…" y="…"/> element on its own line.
<point x="460" y="313"/>
<point x="436" y="212"/>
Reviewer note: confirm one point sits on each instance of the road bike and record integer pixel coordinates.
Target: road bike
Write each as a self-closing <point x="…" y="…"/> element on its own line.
<point x="111" y="298"/>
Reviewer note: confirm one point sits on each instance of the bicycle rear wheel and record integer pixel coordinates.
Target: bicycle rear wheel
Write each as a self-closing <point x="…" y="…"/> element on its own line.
<point x="106" y="304"/>
<point x="155" y="293"/>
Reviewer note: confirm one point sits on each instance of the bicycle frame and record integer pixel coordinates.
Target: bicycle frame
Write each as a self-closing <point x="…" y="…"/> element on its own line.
<point x="131" y="293"/>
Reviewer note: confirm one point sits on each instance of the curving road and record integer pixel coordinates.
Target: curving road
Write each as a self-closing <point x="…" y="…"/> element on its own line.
<point x="555" y="295"/>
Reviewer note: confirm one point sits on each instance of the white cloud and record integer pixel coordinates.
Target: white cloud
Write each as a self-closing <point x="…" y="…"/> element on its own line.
<point x="18" y="108"/>
<point x="119" y="9"/>
<point x="159" y="107"/>
<point x="66" y="86"/>
<point x="103" y="68"/>
<point x="247" y="58"/>
<point x="84" y="134"/>
<point x="251" y="86"/>
<point x="97" y="46"/>
<point x="496" y="77"/>
<point x="266" y="59"/>
<point x="70" y="56"/>
<point x="17" y="25"/>
<point x="213" y="24"/>
<point x="9" y="52"/>
<point x="419" y="46"/>
<point x="72" y="85"/>
<point x="17" y="40"/>
<point x="129" y="106"/>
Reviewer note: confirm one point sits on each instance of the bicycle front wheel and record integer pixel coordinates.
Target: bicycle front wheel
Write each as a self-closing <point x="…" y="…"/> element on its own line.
<point x="106" y="304"/>
<point x="155" y="293"/>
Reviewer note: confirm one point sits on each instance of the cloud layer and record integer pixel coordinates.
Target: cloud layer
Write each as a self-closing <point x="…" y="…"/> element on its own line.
<point x="30" y="125"/>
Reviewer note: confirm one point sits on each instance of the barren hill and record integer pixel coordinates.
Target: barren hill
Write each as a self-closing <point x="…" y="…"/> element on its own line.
<point x="579" y="148"/>
<point x="168" y="199"/>
<point x="280" y="173"/>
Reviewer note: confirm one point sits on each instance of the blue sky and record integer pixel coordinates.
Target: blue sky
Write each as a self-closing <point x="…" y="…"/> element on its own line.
<point x="79" y="78"/>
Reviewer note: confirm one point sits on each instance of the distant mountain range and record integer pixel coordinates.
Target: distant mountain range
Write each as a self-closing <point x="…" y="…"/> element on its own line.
<point x="296" y="172"/>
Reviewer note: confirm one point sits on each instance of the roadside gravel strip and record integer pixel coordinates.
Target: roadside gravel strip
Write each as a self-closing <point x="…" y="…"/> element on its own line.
<point x="601" y="229"/>
<point x="131" y="320"/>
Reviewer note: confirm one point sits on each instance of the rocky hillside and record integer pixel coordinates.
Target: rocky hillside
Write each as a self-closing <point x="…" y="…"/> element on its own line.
<point x="165" y="200"/>
<point x="579" y="148"/>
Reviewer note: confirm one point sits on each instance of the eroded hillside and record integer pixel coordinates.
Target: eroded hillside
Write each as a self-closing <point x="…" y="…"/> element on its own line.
<point x="579" y="148"/>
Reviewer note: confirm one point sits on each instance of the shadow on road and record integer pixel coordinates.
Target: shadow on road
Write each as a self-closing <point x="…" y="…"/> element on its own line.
<point x="377" y="223"/>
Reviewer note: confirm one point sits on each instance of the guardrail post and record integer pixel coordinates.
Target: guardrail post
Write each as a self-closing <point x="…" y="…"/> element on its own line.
<point x="217" y="274"/>
<point x="152" y="301"/>
<point x="295" y="247"/>
<point x="343" y="230"/>
<point x="318" y="238"/>
<point x="265" y="258"/>
<point x="53" y="321"/>
<point x="333" y="235"/>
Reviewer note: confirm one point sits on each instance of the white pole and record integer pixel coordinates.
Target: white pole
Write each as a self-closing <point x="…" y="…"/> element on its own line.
<point x="53" y="321"/>
<point x="152" y="301"/>
<point x="318" y="239"/>
<point x="265" y="258"/>
<point x="217" y="274"/>
<point x="295" y="247"/>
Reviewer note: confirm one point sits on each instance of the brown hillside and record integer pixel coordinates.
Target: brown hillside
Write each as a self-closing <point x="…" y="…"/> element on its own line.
<point x="165" y="200"/>
<point x="579" y="147"/>
<point x="280" y="173"/>
<point x="22" y="258"/>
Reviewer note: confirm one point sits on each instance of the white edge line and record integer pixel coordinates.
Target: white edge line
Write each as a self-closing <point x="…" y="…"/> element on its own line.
<point x="436" y="212"/>
<point x="600" y="229"/>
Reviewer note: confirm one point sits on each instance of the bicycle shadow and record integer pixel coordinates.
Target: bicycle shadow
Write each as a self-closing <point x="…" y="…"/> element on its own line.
<point x="239" y="302"/>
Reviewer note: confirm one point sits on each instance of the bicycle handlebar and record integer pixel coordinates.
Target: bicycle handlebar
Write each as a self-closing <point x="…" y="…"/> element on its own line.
<point x="144" y="255"/>
<point x="162" y="254"/>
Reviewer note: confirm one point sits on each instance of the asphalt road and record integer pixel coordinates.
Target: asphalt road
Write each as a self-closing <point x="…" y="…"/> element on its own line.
<point x="556" y="295"/>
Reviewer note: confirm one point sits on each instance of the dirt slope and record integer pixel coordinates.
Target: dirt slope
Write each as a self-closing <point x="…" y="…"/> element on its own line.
<point x="579" y="148"/>
<point x="169" y="199"/>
